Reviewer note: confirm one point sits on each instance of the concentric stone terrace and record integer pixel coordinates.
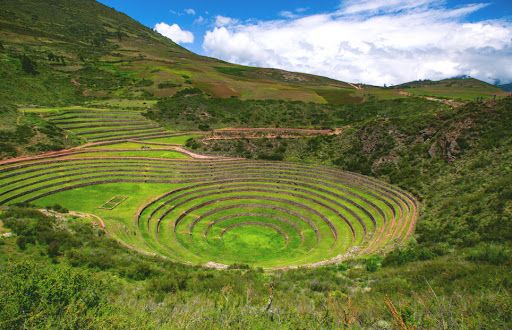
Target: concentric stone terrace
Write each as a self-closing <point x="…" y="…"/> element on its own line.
<point x="269" y="214"/>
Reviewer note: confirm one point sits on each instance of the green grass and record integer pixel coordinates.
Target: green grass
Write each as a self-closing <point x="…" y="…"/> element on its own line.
<point x="182" y="139"/>
<point x="155" y="153"/>
<point x="123" y="103"/>
<point x="467" y="89"/>
<point x="119" y="220"/>
<point x="126" y="145"/>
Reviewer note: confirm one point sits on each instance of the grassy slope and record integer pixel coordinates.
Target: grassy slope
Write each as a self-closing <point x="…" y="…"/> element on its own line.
<point x="105" y="53"/>
<point x="456" y="88"/>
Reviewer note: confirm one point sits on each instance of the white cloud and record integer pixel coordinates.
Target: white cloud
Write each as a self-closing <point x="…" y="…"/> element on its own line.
<point x="373" y="41"/>
<point x="174" y="32"/>
<point x="190" y="11"/>
<point x="224" y="21"/>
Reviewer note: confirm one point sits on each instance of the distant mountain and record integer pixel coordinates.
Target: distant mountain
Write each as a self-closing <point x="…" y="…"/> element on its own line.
<point x="506" y="87"/>
<point x="463" y="87"/>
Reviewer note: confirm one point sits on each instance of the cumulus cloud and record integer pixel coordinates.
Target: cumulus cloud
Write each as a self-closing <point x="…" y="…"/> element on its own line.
<point x="174" y="32"/>
<point x="374" y="41"/>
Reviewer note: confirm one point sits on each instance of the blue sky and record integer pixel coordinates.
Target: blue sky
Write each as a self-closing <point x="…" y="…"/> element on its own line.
<point x="357" y="40"/>
<point x="151" y="12"/>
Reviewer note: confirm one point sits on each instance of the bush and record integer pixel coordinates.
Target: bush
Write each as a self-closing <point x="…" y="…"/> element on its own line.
<point x="491" y="253"/>
<point x="188" y="92"/>
<point x="168" y="84"/>
<point x="28" y="66"/>
<point x="58" y="208"/>
<point x="239" y="266"/>
<point x="413" y="252"/>
<point x="192" y="144"/>
<point x="373" y="263"/>
<point x="144" y="83"/>
<point x="165" y="285"/>
<point x="273" y="156"/>
<point x="21" y="242"/>
<point x="53" y="249"/>
<point x="204" y="127"/>
<point x="139" y="272"/>
<point x="36" y="296"/>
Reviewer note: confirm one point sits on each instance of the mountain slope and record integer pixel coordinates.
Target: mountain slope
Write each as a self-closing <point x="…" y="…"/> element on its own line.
<point x="507" y="87"/>
<point x="82" y="48"/>
<point x="464" y="88"/>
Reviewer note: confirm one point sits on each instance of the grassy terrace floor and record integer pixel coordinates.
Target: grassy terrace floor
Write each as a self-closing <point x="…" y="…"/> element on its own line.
<point x="97" y="125"/>
<point x="268" y="214"/>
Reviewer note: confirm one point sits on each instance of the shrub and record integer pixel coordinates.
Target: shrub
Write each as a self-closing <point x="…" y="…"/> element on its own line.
<point x="413" y="252"/>
<point x="204" y="127"/>
<point x="165" y="285"/>
<point x="53" y="249"/>
<point x="144" y="83"/>
<point x="272" y="156"/>
<point x="37" y="296"/>
<point x="58" y="208"/>
<point x="188" y="92"/>
<point x="239" y="266"/>
<point x="28" y="66"/>
<point x="21" y="241"/>
<point x="139" y="272"/>
<point x="491" y="253"/>
<point x="192" y="144"/>
<point x="373" y="263"/>
<point x="168" y="84"/>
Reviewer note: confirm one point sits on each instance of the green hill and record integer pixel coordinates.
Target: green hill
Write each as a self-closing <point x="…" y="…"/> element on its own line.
<point x="84" y="49"/>
<point x="464" y="88"/>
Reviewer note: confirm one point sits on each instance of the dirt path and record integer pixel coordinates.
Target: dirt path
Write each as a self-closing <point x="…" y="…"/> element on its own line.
<point x="448" y="102"/>
<point x="269" y="133"/>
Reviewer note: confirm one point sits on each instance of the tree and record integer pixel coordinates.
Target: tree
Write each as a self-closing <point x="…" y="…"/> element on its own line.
<point x="119" y="35"/>
<point x="28" y="66"/>
<point x="53" y="249"/>
<point x="21" y="241"/>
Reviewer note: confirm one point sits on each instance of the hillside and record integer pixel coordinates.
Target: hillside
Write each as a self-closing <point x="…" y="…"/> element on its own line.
<point x="85" y="50"/>
<point x="82" y="48"/>
<point x="464" y="88"/>
<point x="507" y="87"/>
